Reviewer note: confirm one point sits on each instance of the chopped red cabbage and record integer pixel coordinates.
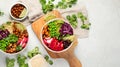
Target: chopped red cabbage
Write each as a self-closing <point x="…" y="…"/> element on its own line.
<point x="66" y="29"/>
<point x="4" y="34"/>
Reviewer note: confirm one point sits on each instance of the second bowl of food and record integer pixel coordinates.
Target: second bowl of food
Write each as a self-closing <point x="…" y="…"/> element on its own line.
<point x="57" y="35"/>
<point x="13" y="37"/>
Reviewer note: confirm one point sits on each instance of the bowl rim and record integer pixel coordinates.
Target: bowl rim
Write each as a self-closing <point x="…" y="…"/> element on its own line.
<point x="14" y="5"/>
<point x="23" y="48"/>
<point x="48" y="47"/>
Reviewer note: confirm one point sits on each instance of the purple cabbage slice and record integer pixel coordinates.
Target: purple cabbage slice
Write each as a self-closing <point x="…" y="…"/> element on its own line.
<point x="66" y="29"/>
<point x="4" y="33"/>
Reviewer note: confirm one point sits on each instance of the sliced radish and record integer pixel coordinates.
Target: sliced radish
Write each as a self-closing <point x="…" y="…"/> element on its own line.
<point x="23" y="45"/>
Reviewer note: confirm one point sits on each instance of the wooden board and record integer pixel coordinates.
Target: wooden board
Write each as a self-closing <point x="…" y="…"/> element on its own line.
<point x="69" y="54"/>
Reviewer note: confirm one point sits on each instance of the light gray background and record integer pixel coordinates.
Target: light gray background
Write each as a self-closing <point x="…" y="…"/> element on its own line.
<point x="101" y="49"/>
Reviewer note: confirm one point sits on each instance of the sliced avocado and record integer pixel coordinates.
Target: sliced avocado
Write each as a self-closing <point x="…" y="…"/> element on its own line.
<point x="49" y="17"/>
<point x="23" y="13"/>
<point x="20" y="27"/>
<point x="59" y="21"/>
<point x="8" y="26"/>
<point x="71" y="38"/>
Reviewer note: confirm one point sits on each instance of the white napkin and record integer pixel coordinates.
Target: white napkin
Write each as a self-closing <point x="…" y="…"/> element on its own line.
<point x="81" y="33"/>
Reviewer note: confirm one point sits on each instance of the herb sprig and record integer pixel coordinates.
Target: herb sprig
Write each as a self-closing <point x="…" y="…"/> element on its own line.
<point x="1" y="13"/>
<point x="21" y="59"/>
<point x="73" y="20"/>
<point x="10" y="62"/>
<point x="63" y="4"/>
<point x="48" y="60"/>
<point x="83" y="19"/>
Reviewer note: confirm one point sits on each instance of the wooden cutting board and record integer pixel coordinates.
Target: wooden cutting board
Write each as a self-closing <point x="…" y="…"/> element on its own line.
<point x="69" y="54"/>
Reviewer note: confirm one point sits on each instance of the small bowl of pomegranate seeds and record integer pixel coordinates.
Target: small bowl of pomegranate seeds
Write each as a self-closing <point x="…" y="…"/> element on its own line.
<point x="57" y="35"/>
<point x="18" y="11"/>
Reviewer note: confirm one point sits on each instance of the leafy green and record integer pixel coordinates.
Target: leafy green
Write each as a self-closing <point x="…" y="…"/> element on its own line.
<point x="47" y="59"/>
<point x="6" y="41"/>
<point x="1" y="13"/>
<point x="43" y="2"/>
<point x="2" y="27"/>
<point x="72" y="20"/>
<point x="33" y="52"/>
<point x="83" y="18"/>
<point x="10" y="62"/>
<point x="21" y="61"/>
<point x="8" y="22"/>
<point x="66" y="3"/>
<point x="19" y="48"/>
<point x="50" y="62"/>
<point x="46" y="7"/>
<point x="85" y="26"/>
<point x="49" y="6"/>
<point x="61" y="5"/>
<point x="12" y="38"/>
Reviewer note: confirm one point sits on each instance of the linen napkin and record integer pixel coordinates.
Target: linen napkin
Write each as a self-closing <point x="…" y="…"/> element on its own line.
<point x="81" y="33"/>
<point x="35" y="12"/>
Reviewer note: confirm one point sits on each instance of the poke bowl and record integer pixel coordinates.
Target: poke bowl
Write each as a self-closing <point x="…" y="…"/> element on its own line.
<point x="13" y="37"/>
<point x="57" y="35"/>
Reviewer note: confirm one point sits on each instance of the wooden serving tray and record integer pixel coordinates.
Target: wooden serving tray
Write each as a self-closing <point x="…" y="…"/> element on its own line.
<point x="69" y="54"/>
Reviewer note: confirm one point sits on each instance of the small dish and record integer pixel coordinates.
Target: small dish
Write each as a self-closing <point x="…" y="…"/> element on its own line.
<point x="18" y="11"/>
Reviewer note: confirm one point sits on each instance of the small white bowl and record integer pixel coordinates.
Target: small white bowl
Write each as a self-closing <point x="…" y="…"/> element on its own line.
<point x="15" y="17"/>
<point x="47" y="46"/>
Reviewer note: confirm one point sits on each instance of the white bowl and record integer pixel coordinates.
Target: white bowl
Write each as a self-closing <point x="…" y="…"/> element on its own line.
<point x="15" y="17"/>
<point x="20" y="50"/>
<point x="47" y="46"/>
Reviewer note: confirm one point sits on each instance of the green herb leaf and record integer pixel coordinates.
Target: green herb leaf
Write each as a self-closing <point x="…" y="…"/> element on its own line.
<point x="8" y="22"/>
<point x="50" y="62"/>
<point x="46" y="57"/>
<point x="10" y="62"/>
<point x="33" y="52"/>
<point x="49" y="6"/>
<point x="46" y="7"/>
<point x="1" y="13"/>
<point x="21" y="61"/>
<point x="81" y="16"/>
<point x="12" y="38"/>
<point x="19" y="48"/>
<point x="72" y="20"/>
<point x="85" y="26"/>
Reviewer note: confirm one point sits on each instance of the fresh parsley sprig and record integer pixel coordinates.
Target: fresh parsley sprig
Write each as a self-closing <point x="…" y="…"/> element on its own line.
<point x="1" y="13"/>
<point x="83" y="19"/>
